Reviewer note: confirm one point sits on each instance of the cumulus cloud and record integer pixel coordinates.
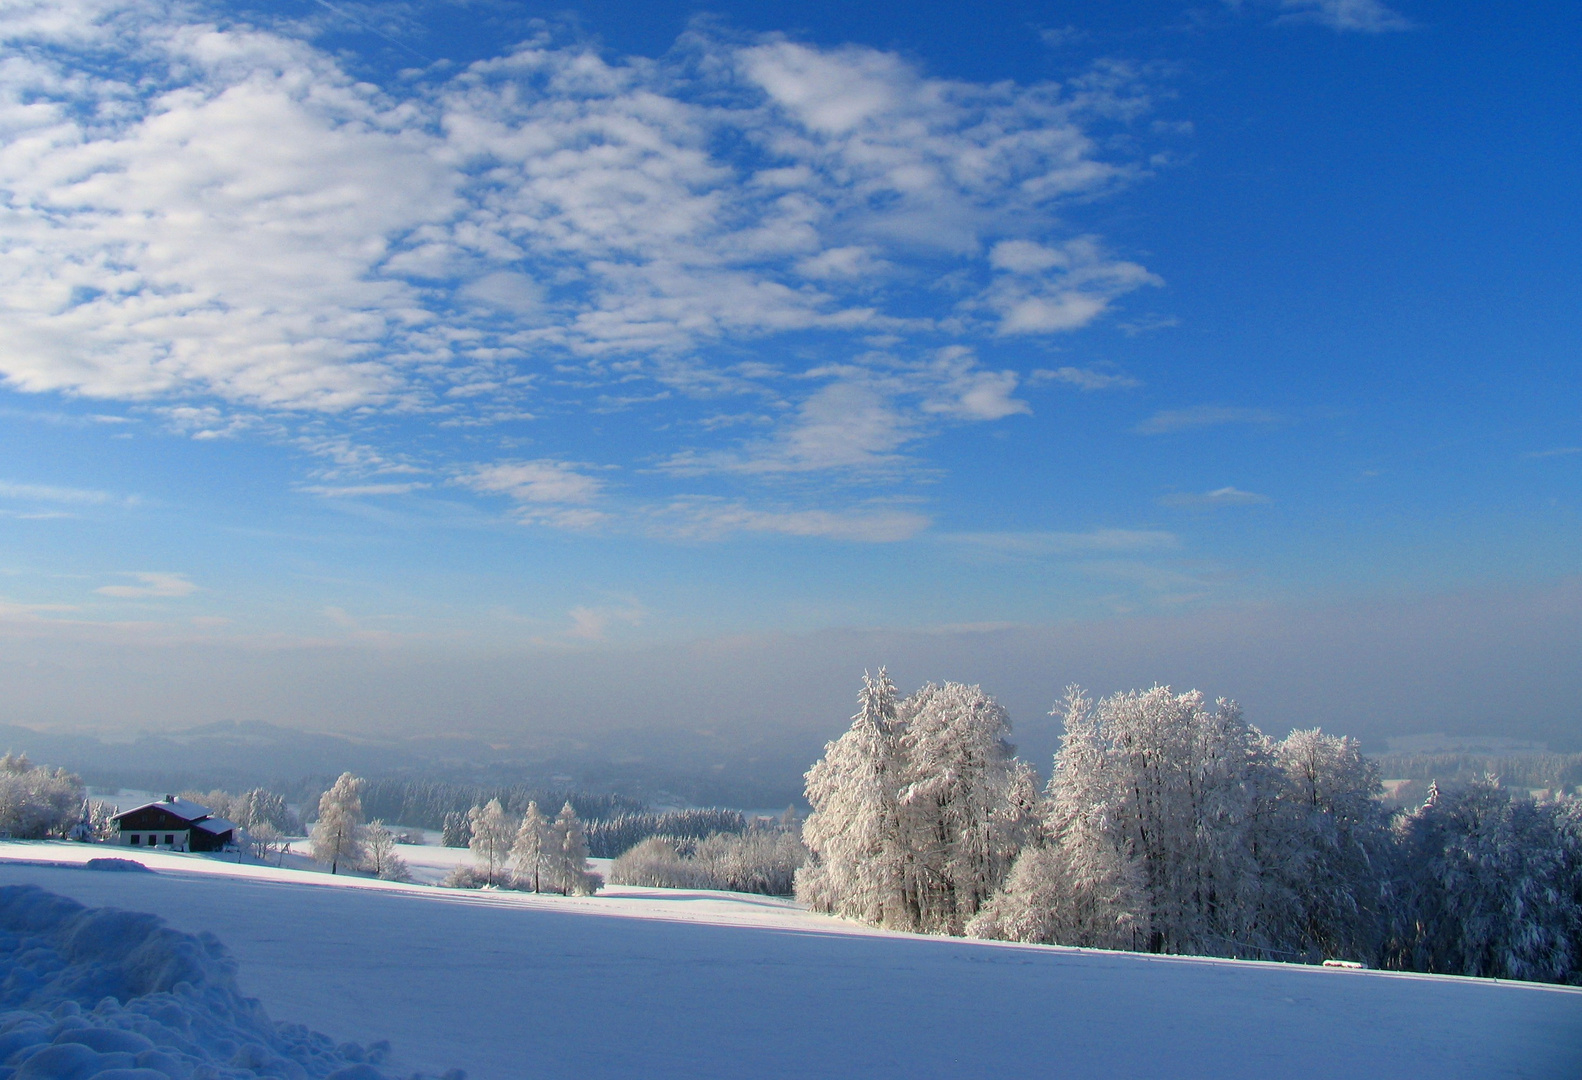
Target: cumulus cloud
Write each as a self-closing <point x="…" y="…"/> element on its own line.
<point x="1048" y="289"/>
<point x="240" y="217"/>
<point x="1170" y="421"/>
<point x="1211" y="500"/>
<point x="221" y="220"/>
<point x="150" y="586"/>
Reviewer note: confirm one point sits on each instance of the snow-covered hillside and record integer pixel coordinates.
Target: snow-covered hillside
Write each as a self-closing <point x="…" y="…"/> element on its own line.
<point x="660" y="984"/>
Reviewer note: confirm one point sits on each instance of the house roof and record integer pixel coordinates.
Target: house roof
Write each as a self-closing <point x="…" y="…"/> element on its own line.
<point x="185" y="809"/>
<point x="214" y="825"/>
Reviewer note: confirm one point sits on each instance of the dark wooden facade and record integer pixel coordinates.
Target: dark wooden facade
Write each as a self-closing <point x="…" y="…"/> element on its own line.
<point x="156" y="825"/>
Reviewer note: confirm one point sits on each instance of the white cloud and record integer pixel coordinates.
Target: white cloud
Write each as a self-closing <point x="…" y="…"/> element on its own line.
<point x="244" y="219"/>
<point x="594" y="623"/>
<point x="1068" y="543"/>
<point x="151" y="585"/>
<point x="1087" y="378"/>
<point x="1366" y="16"/>
<point x="1047" y="289"/>
<point x="1211" y="500"/>
<point x="543" y="481"/>
<point x="352" y="491"/>
<point x="848" y="424"/>
<point x="222" y="220"/>
<point x="703" y="518"/>
<point x="1169" y="421"/>
<point x="546" y="491"/>
<point x="53" y="494"/>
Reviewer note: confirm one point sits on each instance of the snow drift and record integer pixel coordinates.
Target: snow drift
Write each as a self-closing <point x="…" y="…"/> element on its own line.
<point x="104" y="994"/>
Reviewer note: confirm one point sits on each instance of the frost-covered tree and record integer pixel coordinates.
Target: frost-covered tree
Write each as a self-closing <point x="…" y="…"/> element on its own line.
<point x="264" y="840"/>
<point x="1331" y="846"/>
<point x="964" y="806"/>
<point x="457" y="831"/>
<point x="36" y="801"/>
<point x="918" y="809"/>
<point x="382" y="860"/>
<point x="1160" y="808"/>
<point x="338" y="834"/>
<point x="566" y="869"/>
<point x="492" y="833"/>
<point x="1490" y="885"/>
<point x="855" y="868"/>
<point x="529" y="847"/>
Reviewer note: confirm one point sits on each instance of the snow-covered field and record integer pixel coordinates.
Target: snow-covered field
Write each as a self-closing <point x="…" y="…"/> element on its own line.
<point x="660" y="983"/>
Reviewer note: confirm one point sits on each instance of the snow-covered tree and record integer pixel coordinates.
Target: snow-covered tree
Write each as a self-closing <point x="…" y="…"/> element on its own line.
<point x="1490" y="885"/>
<point x="1157" y="809"/>
<point x="456" y="832"/>
<point x="533" y="838"/>
<point x="338" y="834"/>
<point x="382" y="860"/>
<point x="1331" y="846"/>
<point x="855" y="869"/>
<point x="36" y="801"/>
<point x="492" y="833"/>
<point x="918" y="809"/>
<point x="264" y="840"/>
<point x="964" y="807"/>
<point x="566" y="869"/>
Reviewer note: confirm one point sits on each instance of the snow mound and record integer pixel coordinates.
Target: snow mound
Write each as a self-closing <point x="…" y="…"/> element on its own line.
<point x="103" y="994"/>
<point x="122" y="865"/>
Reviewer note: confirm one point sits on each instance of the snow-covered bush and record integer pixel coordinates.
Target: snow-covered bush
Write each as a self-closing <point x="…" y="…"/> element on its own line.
<point x="464" y="877"/>
<point x="381" y="859"/>
<point x="761" y="861"/>
<point x="37" y="802"/>
<point x="656" y="864"/>
<point x="96" y="992"/>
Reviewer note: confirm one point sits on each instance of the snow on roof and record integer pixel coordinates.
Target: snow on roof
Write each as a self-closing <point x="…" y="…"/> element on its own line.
<point x="185" y="809"/>
<point x="215" y="825"/>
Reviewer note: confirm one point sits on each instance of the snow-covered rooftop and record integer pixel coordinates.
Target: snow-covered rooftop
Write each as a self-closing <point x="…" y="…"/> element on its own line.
<point x="215" y="825"/>
<point x="185" y="809"/>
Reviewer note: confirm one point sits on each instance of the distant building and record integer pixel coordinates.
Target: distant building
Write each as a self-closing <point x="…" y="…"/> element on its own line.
<point x="174" y="823"/>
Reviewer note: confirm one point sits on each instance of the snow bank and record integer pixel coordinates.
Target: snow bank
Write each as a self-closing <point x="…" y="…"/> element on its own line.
<point x="103" y="994"/>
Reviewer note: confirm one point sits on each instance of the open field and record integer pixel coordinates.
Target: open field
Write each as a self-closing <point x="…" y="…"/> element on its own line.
<point x="656" y="983"/>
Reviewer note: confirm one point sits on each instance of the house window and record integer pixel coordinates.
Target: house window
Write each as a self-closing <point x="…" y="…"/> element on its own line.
<point x="169" y="839"/>
<point x="135" y="839"/>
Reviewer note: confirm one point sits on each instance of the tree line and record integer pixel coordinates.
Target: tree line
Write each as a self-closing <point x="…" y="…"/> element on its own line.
<point x="1172" y="825"/>
<point x="425" y="804"/>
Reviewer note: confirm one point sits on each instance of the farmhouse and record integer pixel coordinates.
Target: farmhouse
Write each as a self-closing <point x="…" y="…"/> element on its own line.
<point x="175" y="823"/>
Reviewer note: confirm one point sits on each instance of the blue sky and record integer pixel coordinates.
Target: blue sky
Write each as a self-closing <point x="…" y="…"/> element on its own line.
<point x="465" y="330"/>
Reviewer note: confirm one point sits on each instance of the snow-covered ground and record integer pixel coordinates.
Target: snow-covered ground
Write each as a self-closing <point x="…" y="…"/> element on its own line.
<point x="663" y="983"/>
